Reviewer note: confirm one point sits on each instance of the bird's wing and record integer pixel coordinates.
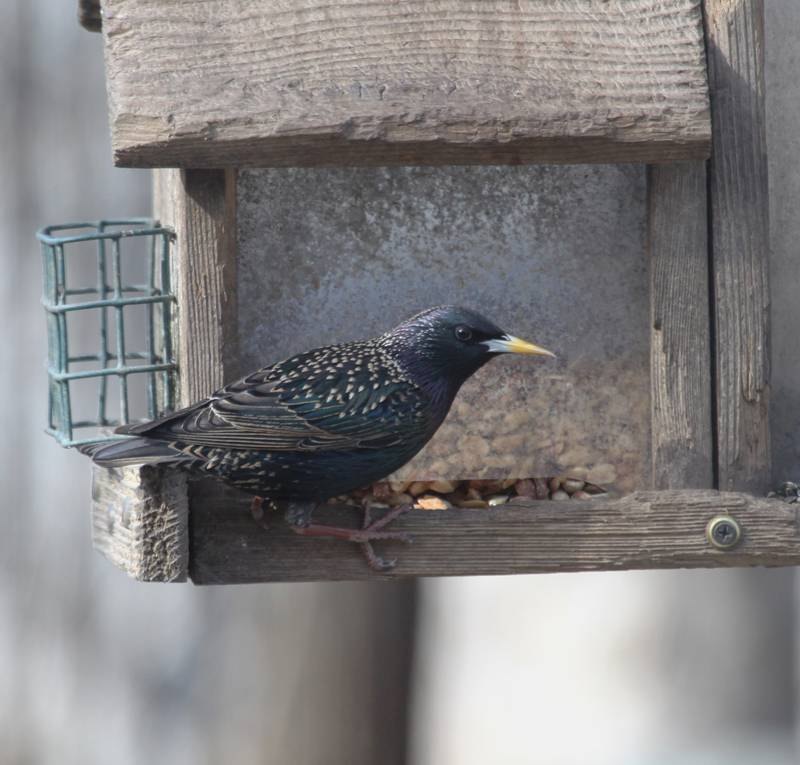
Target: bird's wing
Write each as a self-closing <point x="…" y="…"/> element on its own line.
<point x="316" y="401"/>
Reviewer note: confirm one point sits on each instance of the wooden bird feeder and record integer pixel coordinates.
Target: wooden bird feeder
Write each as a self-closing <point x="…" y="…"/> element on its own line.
<point x="615" y="210"/>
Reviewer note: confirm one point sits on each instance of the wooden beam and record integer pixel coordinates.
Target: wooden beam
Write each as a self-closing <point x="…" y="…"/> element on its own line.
<point x="201" y="206"/>
<point x="680" y="349"/>
<point x="665" y="529"/>
<point x="217" y="83"/>
<point x="139" y="521"/>
<point x="740" y="240"/>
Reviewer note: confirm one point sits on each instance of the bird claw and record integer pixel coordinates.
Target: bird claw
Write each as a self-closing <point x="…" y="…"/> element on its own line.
<point x="375" y="561"/>
<point x="371" y="531"/>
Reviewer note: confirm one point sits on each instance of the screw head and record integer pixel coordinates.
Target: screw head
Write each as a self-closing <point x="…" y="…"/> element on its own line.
<point x="723" y="532"/>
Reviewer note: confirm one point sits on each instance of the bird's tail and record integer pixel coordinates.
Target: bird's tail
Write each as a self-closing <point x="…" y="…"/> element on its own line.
<point x="133" y="451"/>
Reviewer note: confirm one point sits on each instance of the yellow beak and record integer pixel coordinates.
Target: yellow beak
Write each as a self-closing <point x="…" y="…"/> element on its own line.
<point x="511" y="344"/>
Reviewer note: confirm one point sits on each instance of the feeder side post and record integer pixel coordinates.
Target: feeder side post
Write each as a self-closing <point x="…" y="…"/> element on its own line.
<point x="201" y="206"/>
<point x="740" y="241"/>
<point x="680" y="345"/>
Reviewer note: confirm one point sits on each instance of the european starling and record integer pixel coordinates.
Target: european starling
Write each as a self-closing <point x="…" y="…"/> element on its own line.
<point x="327" y="421"/>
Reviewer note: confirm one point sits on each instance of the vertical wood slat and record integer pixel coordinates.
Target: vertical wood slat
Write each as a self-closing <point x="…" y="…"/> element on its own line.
<point x="680" y="355"/>
<point x="201" y="206"/>
<point x="739" y="230"/>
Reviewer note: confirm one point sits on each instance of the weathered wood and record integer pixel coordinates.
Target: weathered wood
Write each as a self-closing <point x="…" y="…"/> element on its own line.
<point x="680" y="353"/>
<point x="202" y="83"/>
<point x="740" y="239"/>
<point x="665" y="529"/>
<point x="201" y="206"/>
<point x="139" y="521"/>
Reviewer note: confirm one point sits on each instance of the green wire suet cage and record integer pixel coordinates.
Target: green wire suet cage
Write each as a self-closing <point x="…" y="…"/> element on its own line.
<point x="102" y="253"/>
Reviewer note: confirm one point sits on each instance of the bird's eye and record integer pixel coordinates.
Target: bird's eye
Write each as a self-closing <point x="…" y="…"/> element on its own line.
<point x="464" y="334"/>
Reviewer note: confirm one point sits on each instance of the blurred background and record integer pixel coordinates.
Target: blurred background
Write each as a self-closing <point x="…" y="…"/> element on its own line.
<point x="639" y="667"/>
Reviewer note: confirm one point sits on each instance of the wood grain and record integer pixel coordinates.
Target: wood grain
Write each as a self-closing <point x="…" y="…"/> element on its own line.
<point x="201" y="206"/>
<point x="680" y="352"/>
<point x="740" y="239"/>
<point x="650" y="530"/>
<point x="216" y="83"/>
<point x="139" y="521"/>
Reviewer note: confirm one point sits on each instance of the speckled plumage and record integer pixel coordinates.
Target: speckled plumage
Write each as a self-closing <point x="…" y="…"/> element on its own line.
<point x="327" y="421"/>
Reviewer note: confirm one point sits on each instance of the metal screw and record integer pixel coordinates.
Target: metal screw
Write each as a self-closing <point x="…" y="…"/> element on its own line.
<point x="723" y="532"/>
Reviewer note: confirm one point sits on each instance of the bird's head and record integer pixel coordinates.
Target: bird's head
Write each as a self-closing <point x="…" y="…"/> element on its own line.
<point x="443" y="346"/>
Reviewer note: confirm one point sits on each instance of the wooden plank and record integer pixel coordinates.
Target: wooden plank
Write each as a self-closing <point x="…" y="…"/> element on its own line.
<point x="201" y="206"/>
<point x="680" y="352"/>
<point x="139" y="521"/>
<point x="216" y="83"/>
<point x="665" y="529"/>
<point x="740" y="230"/>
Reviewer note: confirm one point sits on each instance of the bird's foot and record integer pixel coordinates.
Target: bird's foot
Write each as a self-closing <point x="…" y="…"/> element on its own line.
<point x="376" y="562"/>
<point x="298" y="516"/>
<point x="788" y="491"/>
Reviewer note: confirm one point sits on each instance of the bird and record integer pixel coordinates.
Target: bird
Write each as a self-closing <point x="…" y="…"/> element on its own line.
<point x="326" y="422"/>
